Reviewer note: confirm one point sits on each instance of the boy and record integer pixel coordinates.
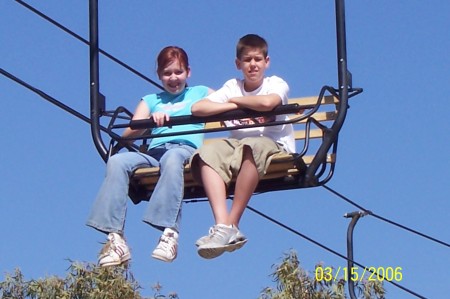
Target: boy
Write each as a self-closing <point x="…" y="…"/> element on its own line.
<point x="247" y="154"/>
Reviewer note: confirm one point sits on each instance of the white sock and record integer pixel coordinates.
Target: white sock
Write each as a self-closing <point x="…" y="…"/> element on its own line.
<point x="225" y="225"/>
<point x="169" y="230"/>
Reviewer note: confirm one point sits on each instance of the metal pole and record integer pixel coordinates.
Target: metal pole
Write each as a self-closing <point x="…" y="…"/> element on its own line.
<point x="350" y="264"/>
<point x="343" y="81"/>
<point x="351" y="286"/>
<point x="97" y="100"/>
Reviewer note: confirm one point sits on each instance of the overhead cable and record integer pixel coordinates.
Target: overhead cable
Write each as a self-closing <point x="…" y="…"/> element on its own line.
<point x="371" y="213"/>
<point x="42" y="15"/>
<point x="51" y="99"/>
<point x="329" y="249"/>
<point x="314" y="242"/>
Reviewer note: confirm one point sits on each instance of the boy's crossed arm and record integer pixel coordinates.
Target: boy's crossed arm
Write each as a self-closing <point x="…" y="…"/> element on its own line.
<point x="258" y="102"/>
<point x="206" y="107"/>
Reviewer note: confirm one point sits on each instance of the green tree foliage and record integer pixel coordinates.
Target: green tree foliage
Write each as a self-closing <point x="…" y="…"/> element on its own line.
<point x="293" y="282"/>
<point x="89" y="281"/>
<point x="83" y="281"/>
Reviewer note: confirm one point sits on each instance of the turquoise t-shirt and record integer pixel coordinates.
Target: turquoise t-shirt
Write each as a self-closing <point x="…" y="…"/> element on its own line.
<point x="177" y="105"/>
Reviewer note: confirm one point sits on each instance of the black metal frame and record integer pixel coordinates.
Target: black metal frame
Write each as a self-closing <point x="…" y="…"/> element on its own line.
<point x="314" y="175"/>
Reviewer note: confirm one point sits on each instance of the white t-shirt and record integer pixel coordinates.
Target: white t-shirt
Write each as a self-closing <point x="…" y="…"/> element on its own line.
<point x="282" y="134"/>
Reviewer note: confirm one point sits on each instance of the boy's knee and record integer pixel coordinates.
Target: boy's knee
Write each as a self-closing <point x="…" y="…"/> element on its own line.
<point x="247" y="152"/>
<point x="213" y="146"/>
<point x="247" y="149"/>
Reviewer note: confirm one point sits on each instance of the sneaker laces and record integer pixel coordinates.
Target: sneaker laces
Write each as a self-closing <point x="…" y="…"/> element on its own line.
<point x="212" y="230"/>
<point x="113" y="244"/>
<point x="167" y="240"/>
<point x="106" y="249"/>
<point x="220" y="231"/>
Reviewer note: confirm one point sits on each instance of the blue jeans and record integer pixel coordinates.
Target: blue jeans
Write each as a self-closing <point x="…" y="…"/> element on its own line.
<point x="164" y="208"/>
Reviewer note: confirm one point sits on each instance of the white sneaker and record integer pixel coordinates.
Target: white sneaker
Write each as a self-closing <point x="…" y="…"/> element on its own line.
<point x="239" y="236"/>
<point x="221" y="238"/>
<point x="166" y="250"/>
<point x="115" y="251"/>
<point x="205" y="239"/>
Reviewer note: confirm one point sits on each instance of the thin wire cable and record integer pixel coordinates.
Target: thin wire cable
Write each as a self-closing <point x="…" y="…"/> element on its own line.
<point x="330" y="250"/>
<point x="45" y="96"/>
<point x="67" y="30"/>
<point x="384" y="219"/>
<point x="49" y="98"/>
<point x="315" y="243"/>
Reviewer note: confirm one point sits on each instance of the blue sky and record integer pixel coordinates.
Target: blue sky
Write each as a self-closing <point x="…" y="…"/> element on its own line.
<point x="392" y="157"/>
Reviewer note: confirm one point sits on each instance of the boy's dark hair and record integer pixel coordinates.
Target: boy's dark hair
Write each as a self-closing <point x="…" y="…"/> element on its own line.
<point x="251" y="41"/>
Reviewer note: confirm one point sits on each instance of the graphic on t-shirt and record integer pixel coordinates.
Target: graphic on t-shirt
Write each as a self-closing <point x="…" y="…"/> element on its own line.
<point x="250" y="121"/>
<point x="169" y="107"/>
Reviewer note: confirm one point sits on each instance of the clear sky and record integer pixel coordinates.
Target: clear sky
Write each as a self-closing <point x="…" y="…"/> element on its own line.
<point x="393" y="155"/>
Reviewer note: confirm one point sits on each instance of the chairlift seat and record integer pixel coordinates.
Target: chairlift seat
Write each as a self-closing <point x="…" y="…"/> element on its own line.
<point x="285" y="170"/>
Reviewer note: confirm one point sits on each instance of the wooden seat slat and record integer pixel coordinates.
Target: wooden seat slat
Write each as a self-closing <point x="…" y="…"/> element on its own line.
<point x="283" y="164"/>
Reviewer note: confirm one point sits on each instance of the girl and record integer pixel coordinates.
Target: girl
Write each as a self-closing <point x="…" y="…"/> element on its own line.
<point x="169" y="153"/>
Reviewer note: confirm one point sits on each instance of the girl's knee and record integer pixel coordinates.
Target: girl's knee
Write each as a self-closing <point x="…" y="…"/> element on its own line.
<point x="127" y="161"/>
<point x="175" y="156"/>
<point x="116" y="161"/>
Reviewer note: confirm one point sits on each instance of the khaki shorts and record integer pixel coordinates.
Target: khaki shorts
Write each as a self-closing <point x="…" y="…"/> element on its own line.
<point x="225" y="156"/>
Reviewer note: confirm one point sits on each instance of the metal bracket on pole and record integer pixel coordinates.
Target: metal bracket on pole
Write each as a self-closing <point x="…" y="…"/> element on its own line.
<point x="355" y="217"/>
